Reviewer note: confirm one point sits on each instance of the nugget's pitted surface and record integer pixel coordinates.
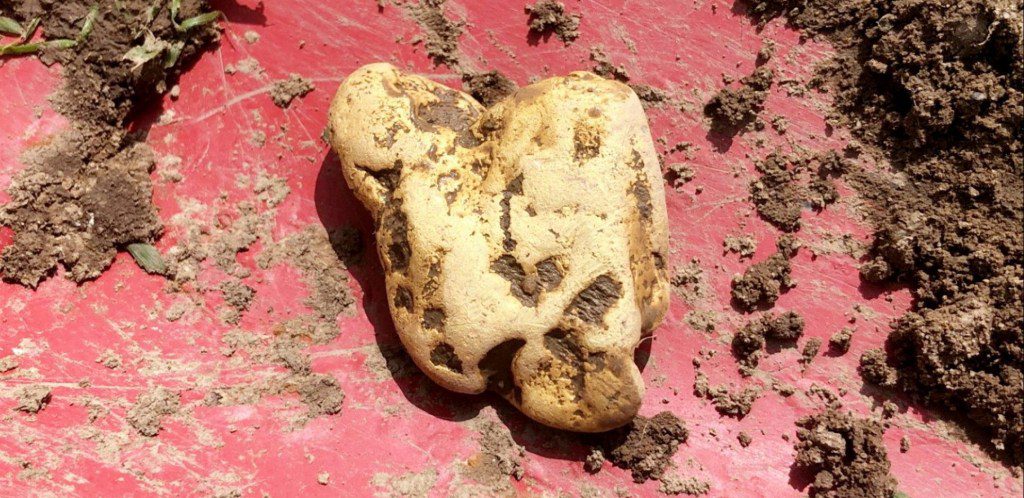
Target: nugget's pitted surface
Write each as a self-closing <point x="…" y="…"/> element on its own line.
<point x="524" y="245"/>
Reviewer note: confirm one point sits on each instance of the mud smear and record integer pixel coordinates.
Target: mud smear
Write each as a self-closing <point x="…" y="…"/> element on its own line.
<point x="488" y="88"/>
<point x="441" y="34"/>
<point x="937" y="88"/>
<point x="33" y="398"/>
<point x="86" y="193"/>
<point x="845" y="454"/>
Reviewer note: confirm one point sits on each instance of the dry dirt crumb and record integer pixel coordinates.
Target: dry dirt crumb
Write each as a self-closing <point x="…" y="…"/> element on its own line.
<point x="109" y="359"/>
<point x="810" y="351"/>
<point x="733" y="110"/>
<point x="748" y="343"/>
<point x="904" y="444"/>
<point x="703" y="320"/>
<point x="845" y="454"/>
<point x="32" y="398"/>
<point x="251" y="37"/>
<point x="680" y="174"/>
<point x="603" y="66"/>
<point x="499" y="456"/>
<point x="149" y="410"/>
<point x="744" y="439"/>
<point x="283" y="92"/>
<point x="442" y="33"/>
<point x="762" y="283"/>
<point x="8" y="363"/>
<point x="323" y="478"/>
<point x="645" y="446"/>
<point x="594" y="461"/>
<point x="549" y="16"/>
<point x="875" y="370"/>
<point x="674" y="484"/>
<point x="726" y="402"/>
<point x="744" y="245"/>
<point x="839" y="343"/>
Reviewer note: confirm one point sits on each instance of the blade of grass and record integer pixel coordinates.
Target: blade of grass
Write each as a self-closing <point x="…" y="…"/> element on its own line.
<point x="10" y="26"/>
<point x="30" y="30"/>
<point x="34" y="48"/>
<point x="200" y="20"/>
<point x="90" y="21"/>
<point x="148" y="258"/>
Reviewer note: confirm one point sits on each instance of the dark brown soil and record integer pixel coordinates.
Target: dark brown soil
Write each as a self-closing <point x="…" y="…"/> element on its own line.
<point x="839" y="343"/>
<point x="846" y="456"/>
<point x="488" y="88"/>
<point x="783" y="330"/>
<point x="938" y="88"/>
<point x="810" y="351"/>
<point x="733" y="109"/>
<point x="549" y="17"/>
<point x="645" y="446"/>
<point x="283" y="92"/>
<point x="776" y="194"/>
<point x="764" y="282"/>
<point x="86" y="194"/>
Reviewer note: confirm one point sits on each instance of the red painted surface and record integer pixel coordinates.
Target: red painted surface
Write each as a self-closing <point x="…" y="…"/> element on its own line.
<point x="407" y="424"/>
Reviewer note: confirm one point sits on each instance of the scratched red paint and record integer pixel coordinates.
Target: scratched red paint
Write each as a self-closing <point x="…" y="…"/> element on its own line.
<point x="683" y="46"/>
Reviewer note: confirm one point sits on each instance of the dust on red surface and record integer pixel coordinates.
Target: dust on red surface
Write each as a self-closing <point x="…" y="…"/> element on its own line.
<point x="396" y="431"/>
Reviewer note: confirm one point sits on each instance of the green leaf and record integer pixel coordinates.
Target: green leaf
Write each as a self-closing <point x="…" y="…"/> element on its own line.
<point x="148" y="258"/>
<point x="200" y="20"/>
<point x="61" y="44"/>
<point x="175" y="7"/>
<point x="90" y="20"/>
<point x="30" y="30"/>
<point x="10" y="26"/>
<point x="173" y="52"/>
<point x="20" y="48"/>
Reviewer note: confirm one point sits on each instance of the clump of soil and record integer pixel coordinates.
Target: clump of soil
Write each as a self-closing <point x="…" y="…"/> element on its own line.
<point x="645" y="446"/>
<point x="764" y="282"/>
<point x="846" y="455"/>
<point x="32" y="398"/>
<point x="80" y="199"/>
<point x="489" y="88"/>
<point x="732" y="110"/>
<point x="726" y="402"/>
<point x="938" y="88"/>
<point x="747" y="344"/>
<point x="87" y="194"/>
<point x="283" y="92"/>
<point x="238" y="297"/>
<point x="604" y="67"/>
<point x="776" y="195"/>
<point x="442" y="33"/>
<point x="649" y="96"/>
<point x="875" y="370"/>
<point x="744" y="439"/>
<point x="549" y="16"/>
<point x="148" y="412"/>
<point x="677" y="485"/>
<point x="810" y="351"/>
<point x="744" y="245"/>
<point x="839" y="343"/>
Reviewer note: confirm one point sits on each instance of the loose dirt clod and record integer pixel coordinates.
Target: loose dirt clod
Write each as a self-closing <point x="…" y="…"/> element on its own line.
<point x="148" y="412"/>
<point x="937" y="87"/>
<point x="673" y="484"/>
<point x="733" y="110"/>
<point x="33" y="398"/>
<point x="549" y="16"/>
<point x="442" y="33"/>
<point x="810" y="351"/>
<point x="499" y="456"/>
<point x="748" y="343"/>
<point x="645" y="446"/>
<point x="283" y="92"/>
<point x="726" y="402"/>
<point x="744" y="245"/>
<point x="764" y="282"/>
<point x="846" y="455"/>
<point x="839" y="343"/>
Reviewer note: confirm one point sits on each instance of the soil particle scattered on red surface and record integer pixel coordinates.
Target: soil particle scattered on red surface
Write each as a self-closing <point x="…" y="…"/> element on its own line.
<point x="810" y="351"/>
<point x="762" y="283"/>
<point x="32" y="398"/>
<point x="603" y="66"/>
<point x="488" y="88"/>
<point x="726" y="401"/>
<point x="549" y="16"/>
<point x="645" y="446"/>
<point x="744" y="245"/>
<point x="748" y="342"/>
<point x="936" y="88"/>
<point x="845" y="454"/>
<point x="441" y="37"/>
<point x="649" y="96"/>
<point x="8" y="363"/>
<point x="677" y="485"/>
<point x="734" y="109"/>
<point x="86" y="193"/>
<point x="283" y="92"/>
<point x="839" y="343"/>
<point x="776" y="194"/>
<point x="744" y="439"/>
<point x="874" y="370"/>
<point x="148" y="413"/>
<point x="238" y="297"/>
<point x="498" y="459"/>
